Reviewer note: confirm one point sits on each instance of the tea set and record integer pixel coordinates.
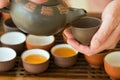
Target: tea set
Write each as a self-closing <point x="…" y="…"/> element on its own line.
<point x="42" y="20"/>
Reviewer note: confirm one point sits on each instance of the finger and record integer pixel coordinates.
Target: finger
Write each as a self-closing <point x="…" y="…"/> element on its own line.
<point x="110" y="43"/>
<point x="81" y="48"/>
<point x="68" y="33"/>
<point x="114" y="38"/>
<point x="71" y="40"/>
<point x="106" y="28"/>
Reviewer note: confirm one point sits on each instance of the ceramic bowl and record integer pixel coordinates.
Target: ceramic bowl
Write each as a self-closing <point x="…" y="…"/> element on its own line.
<point x="14" y="40"/>
<point x="7" y="58"/>
<point x="112" y="65"/>
<point x="5" y="15"/>
<point x="40" y="42"/>
<point x="84" y="29"/>
<point x="33" y="64"/>
<point x="96" y="60"/>
<point x="64" y="55"/>
<point x="9" y="25"/>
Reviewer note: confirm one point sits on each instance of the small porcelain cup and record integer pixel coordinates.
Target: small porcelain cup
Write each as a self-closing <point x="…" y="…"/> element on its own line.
<point x="30" y="64"/>
<point x="40" y="42"/>
<point x="14" y="40"/>
<point x="64" y="55"/>
<point x="9" y="25"/>
<point x="7" y="58"/>
<point x="97" y="60"/>
<point x="112" y="65"/>
<point x="84" y="29"/>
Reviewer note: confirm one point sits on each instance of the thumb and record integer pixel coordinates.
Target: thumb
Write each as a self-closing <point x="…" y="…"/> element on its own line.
<point x="105" y="30"/>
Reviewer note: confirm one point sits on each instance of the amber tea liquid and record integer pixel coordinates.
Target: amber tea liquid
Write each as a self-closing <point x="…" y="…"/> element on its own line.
<point x="35" y="59"/>
<point x="64" y="52"/>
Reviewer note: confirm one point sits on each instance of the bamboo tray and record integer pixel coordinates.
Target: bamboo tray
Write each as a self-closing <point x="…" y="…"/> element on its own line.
<point x="80" y="71"/>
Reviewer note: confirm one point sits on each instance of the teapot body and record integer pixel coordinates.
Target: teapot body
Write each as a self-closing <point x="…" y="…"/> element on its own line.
<point x="38" y="19"/>
<point x="47" y="17"/>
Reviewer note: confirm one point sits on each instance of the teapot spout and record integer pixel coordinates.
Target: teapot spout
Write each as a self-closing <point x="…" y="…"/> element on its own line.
<point x="75" y="14"/>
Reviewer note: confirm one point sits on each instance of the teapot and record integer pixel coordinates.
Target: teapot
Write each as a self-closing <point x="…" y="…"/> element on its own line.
<point x="42" y="17"/>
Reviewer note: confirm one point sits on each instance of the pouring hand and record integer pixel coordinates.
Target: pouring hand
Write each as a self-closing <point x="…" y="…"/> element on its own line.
<point x="106" y="37"/>
<point x="4" y="3"/>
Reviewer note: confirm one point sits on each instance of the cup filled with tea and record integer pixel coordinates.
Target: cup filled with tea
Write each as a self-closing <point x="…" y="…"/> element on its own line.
<point x="64" y="55"/>
<point x="14" y="40"/>
<point x="84" y="29"/>
<point x="7" y="58"/>
<point x="35" y="60"/>
<point x="112" y="65"/>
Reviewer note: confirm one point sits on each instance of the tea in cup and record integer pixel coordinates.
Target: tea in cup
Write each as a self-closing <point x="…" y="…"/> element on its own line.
<point x="84" y="29"/>
<point x="14" y="40"/>
<point x="7" y="58"/>
<point x="35" y="60"/>
<point x="64" y="55"/>
<point x="112" y="65"/>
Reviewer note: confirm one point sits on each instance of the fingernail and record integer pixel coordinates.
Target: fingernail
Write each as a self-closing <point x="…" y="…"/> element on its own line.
<point x="95" y="44"/>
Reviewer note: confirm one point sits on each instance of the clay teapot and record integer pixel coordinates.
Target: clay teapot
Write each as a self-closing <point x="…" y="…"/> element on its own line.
<point x="42" y="17"/>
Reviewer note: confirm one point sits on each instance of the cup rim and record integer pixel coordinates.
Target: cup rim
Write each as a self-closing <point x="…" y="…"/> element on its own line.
<point x="40" y="37"/>
<point x="6" y="25"/>
<point x="14" y="32"/>
<point x="63" y="45"/>
<point x="13" y="52"/>
<point x="95" y="18"/>
<point x="28" y="52"/>
<point x="108" y="57"/>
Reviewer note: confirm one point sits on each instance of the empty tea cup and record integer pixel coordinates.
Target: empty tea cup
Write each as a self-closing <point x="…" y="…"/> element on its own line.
<point x="7" y="58"/>
<point x="112" y="65"/>
<point x="84" y="29"/>
<point x="35" y="60"/>
<point x="14" y="40"/>
<point x="64" y="55"/>
<point x="41" y="42"/>
<point x="5" y="15"/>
<point x="9" y="25"/>
<point x="96" y="60"/>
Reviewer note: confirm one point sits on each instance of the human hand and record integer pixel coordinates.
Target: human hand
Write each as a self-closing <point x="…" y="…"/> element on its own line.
<point x="4" y="3"/>
<point x="106" y="37"/>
